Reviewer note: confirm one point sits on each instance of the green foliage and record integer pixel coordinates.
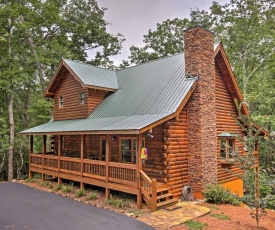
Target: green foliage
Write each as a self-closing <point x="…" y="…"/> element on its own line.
<point x="58" y="187"/>
<point x="92" y="196"/>
<point x="116" y="202"/>
<point x="67" y="188"/>
<point x="218" y="195"/>
<point x="194" y="225"/>
<point x="80" y="193"/>
<point x="220" y="216"/>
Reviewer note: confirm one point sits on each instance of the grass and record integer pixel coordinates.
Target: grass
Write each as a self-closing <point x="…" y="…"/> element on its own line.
<point x="80" y="193"/>
<point x="194" y="225"/>
<point x="66" y="188"/>
<point x="215" y="207"/>
<point x="136" y="212"/>
<point x="58" y="187"/>
<point x="220" y="216"/>
<point x="92" y="196"/>
<point x="116" y="202"/>
<point x="46" y="184"/>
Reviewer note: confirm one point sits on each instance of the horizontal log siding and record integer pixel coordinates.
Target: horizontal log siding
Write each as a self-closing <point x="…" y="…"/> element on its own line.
<point x="154" y="165"/>
<point x="70" y="89"/>
<point x="95" y="98"/>
<point x="175" y="138"/>
<point x="226" y="111"/>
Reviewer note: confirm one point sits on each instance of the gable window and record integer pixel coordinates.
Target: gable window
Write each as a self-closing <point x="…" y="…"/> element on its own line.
<point x="128" y="148"/>
<point x="81" y="98"/>
<point x="61" y="101"/>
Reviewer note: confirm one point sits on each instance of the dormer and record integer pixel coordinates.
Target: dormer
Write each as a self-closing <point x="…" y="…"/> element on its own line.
<point x="78" y="88"/>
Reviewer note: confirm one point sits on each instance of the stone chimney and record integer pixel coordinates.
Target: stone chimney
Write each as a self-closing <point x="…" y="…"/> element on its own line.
<point x="202" y="130"/>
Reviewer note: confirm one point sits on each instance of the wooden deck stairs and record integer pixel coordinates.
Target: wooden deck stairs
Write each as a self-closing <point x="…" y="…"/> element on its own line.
<point x="164" y="198"/>
<point x="155" y="194"/>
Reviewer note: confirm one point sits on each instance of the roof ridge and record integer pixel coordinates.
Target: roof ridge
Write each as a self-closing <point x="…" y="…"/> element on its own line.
<point x="154" y="60"/>
<point x="83" y="63"/>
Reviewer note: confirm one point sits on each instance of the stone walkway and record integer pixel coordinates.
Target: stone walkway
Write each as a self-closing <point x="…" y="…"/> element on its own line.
<point x="165" y="219"/>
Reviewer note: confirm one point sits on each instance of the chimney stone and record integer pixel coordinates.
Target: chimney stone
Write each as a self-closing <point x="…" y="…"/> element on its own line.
<point x="202" y="130"/>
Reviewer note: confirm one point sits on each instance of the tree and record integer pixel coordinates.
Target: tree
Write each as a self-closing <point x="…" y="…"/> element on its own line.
<point x="34" y="36"/>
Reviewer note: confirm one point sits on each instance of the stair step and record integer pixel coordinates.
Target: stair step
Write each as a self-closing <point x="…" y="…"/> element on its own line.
<point x="167" y="195"/>
<point x="166" y="203"/>
<point x="160" y="190"/>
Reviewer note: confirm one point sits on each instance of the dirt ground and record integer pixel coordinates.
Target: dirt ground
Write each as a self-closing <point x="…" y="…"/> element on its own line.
<point x="239" y="218"/>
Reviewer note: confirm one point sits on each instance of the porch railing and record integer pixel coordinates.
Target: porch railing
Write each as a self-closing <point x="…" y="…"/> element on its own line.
<point x="118" y="172"/>
<point x="149" y="190"/>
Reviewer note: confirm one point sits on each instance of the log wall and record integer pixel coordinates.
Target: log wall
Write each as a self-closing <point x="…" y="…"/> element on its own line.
<point x="70" y="89"/>
<point x="226" y="111"/>
<point x="95" y="98"/>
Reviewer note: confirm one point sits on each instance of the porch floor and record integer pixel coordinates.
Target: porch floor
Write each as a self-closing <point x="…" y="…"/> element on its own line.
<point x="164" y="219"/>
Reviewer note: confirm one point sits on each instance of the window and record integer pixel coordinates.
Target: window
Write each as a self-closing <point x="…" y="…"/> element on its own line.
<point x="103" y="148"/>
<point x="81" y="98"/>
<point x="61" y="101"/>
<point x="129" y="149"/>
<point x="227" y="146"/>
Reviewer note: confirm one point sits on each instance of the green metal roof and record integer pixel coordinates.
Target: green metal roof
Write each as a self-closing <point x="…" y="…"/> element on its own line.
<point x="146" y="93"/>
<point x="92" y="75"/>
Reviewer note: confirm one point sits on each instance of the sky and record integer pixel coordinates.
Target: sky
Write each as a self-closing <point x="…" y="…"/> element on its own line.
<point x="134" y="18"/>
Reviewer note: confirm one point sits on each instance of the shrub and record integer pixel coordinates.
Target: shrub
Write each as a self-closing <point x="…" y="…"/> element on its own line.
<point x="80" y="193"/>
<point x="92" y="196"/>
<point x="58" y="187"/>
<point x="116" y="202"/>
<point x="218" y="195"/>
<point x="66" y="188"/>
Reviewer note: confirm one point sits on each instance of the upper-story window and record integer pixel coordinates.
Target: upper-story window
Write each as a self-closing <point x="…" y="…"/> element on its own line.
<point x="227" y="145"/>
<point x="61" y="101"/>
<point x="81" y="98"/>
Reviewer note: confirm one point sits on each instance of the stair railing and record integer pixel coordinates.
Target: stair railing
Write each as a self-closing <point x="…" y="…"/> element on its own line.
<point x="149" y="190"/>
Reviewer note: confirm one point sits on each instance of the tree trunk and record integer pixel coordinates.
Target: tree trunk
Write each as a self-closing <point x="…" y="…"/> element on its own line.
<point x="11" y="146"/>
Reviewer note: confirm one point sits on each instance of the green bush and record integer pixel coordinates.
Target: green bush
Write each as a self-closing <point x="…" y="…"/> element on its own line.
<point x="80" y="193"/>
<point x="116" y="202"/>
<point x="66" y="188"/>
<point x="218" y="195"/>
<point x="92" y="196"/>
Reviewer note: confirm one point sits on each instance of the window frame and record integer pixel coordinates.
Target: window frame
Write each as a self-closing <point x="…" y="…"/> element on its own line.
<point x="82" y="98"/>
<point x="228" y="148"/>
<point x="133" y="152"/>
<point x="61" y="101"/>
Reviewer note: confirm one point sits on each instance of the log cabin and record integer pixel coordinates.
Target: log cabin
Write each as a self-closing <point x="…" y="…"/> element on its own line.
<point x="147" y="130"/>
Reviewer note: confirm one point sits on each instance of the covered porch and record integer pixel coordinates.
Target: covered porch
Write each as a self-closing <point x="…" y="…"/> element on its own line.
<point x="109" y="161"/>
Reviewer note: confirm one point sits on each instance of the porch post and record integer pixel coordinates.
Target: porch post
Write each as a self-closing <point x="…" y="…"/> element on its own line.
<point x="59" y="154"/>
<point x="81" y="158"/>
<point x="108" y="141"/>
<point x="44" y="147"/>
<point x="139" y="167"/>
<point x="31" y="151"/>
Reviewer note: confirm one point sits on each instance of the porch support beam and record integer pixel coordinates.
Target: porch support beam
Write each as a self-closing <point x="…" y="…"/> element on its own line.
<point x="59" y="139"/>
<point x="81" y="158"/>
<point x="139" y="167"/>
<point x="108" y="154"/>
<point x="31" y="151"/>
<point x="44" y="149"/>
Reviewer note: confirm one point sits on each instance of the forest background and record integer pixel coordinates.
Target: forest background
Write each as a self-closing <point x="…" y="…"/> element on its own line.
<point x="35" y="35"/>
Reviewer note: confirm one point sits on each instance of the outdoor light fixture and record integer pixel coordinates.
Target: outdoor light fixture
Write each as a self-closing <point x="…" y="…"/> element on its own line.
<point x="149" y="135"/>
<point x="113" y="138"/>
